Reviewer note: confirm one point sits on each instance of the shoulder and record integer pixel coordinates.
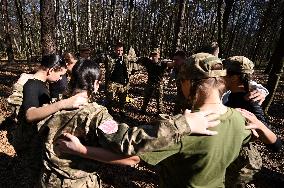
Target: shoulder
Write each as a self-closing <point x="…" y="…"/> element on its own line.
<point x="233" y="113"/>
<point x="33" y="86"/>
<point x="24" y="78"/>
<point x="34" y="83"/>
<point x="234" y="119"/>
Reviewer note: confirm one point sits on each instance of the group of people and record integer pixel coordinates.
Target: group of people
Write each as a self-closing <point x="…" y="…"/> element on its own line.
<point x="197" y="147"/>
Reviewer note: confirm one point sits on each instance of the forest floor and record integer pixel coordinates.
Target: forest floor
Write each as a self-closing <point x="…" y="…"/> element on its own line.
<point x="14" y="171"/>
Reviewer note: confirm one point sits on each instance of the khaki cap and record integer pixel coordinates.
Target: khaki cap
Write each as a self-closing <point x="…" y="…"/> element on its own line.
<point x="199" y="66"/>
<point x="239" y="64"/>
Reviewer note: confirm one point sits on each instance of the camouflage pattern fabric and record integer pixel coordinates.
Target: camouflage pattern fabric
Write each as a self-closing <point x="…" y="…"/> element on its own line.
<point x="117" y="91"/>
<point x="22" y="132"/>
<point x="157" y="90"/>
<point x="199" y="66"/>
<point x="132" y="65"/>
<point x="16" y="98"/>
<point x="54" y="180"/>
<point x="94" y="126"/>
<point x="239" y="64"/>
<point x="110" y="65"/>
<point x="242" y="170"/>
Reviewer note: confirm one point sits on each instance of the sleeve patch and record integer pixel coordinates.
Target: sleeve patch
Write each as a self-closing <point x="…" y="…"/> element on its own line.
<point x="109" y="127"/>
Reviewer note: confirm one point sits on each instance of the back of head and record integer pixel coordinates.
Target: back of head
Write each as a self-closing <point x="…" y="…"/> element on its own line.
<point x="84" y="74"/>
<point x="205" y="73"/>
<point x="181" y="54"/>
<point x="211" y="48"/>
<point x="201" y="66"/>
<point x="52" y="61"/>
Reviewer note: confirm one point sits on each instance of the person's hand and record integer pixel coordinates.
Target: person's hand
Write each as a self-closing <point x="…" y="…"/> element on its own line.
<point x="70" y="144"/>
<point x="75" y="101"/>
<point x="199" y="122"/>
<point x="256" y="96"/>
<point x="252" y="122"/>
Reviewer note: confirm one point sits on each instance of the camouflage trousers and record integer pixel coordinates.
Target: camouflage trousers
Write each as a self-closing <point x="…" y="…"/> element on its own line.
<point x="132" y="67"/>
<point x="242" y="170"/>
<point x="51" y="179"/>
<point x="116" y="91"/>
<point x="157" y="90"/>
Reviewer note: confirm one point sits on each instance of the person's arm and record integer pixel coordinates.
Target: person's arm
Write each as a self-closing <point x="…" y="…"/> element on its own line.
<point x="257" y="93"/>
<point x="264" y="133"/>
<point x="71" y="144"/>
<point x="38" y="113"/>
<point x="166" y="131"/>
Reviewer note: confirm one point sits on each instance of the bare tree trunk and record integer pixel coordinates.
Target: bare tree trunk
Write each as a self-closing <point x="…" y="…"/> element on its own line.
<point x="228" y="9"/>
<point x="22" y="29"/>
<point x="57" y="26"/>
<point x="89" y="21"/>
<point x="220" y="13"/>
<point x="47" y="14"/>
<point x="277" y="60"/>
<point x="130" y="22"/>
<point x="74" y="24"/>
<point x="7" y="29"/>
<point x="178" y="26"/>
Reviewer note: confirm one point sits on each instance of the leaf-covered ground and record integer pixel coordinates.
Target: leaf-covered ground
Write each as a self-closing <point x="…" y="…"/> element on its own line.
<point x="15" y="171"/>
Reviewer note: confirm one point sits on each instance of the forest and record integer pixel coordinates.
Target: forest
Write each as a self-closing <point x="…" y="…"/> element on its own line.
<point x="251" y="28"/>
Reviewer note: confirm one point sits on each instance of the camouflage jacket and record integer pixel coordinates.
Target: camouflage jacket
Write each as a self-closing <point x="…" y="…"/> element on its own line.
<point x="110" y="65"/>
<point x="94" y="126"/>
<point x="16" y="98"/>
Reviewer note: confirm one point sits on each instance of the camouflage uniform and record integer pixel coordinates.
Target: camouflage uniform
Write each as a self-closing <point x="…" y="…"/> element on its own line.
<point x="22" y="132"/>
<point x="94" y="126"/>
<point x="114" y="89"/>
<point x="242" y="170"/>
<point x="249" y="161"/>
<point x="132" y="65"/>
<point x="154" y="84"/>
<point x="16" y="98"/>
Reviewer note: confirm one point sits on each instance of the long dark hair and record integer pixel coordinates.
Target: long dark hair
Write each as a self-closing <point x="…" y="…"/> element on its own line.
<point x="84" y="74"/>
<point x="53" y="61"/>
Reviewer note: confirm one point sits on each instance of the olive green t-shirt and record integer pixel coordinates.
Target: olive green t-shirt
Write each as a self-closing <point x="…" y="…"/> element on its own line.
<point x="201" y="161"/>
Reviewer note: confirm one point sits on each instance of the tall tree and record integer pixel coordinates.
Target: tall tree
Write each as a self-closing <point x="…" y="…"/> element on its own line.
<point x="74" y="24"/>
<point x="277" y="60"/>
<point x="7" y="30"/>
<point x="220" y="13"/>
<point x="89" y="21"/>
<point x="47" y="15"/>
<point x="178" y="26"/>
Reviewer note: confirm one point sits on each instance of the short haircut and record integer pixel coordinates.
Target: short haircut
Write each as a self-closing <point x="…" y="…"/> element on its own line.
<point x="118" y="45"/>
<point x="53" y="61"/>
<point x="181" y="54"/>
<point x="208" y="48"/>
